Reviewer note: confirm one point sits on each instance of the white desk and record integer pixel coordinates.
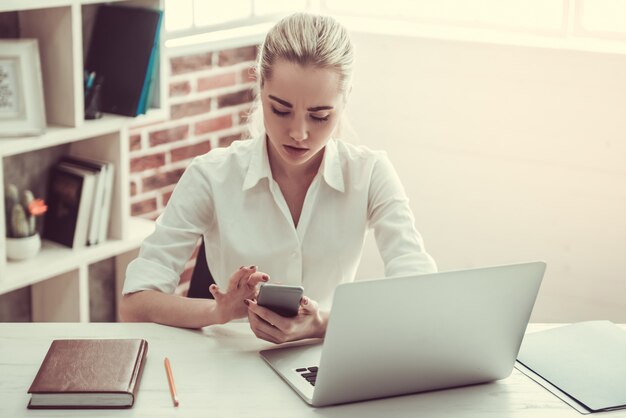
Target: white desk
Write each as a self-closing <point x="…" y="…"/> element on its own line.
<point x="219" y="373"/>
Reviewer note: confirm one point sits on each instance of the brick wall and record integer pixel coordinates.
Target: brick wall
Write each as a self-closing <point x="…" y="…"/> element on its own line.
<point x="210" y="95"/>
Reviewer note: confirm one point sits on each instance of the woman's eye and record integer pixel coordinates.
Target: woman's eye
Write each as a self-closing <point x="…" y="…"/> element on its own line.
<point x="278" y="112"/>
<point x="318" y="118"/>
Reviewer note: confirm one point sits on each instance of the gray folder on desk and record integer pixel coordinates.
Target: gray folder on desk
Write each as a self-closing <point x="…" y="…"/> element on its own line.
<point x="585" y="362"/>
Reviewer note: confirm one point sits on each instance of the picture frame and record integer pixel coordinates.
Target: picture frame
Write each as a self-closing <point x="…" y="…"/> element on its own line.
<point x="22" y="106"/>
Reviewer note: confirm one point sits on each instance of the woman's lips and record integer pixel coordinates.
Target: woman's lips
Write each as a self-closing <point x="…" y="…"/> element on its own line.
<point x="296" y="152"/>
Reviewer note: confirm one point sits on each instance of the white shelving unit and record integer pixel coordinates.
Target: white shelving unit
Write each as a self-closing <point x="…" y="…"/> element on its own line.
<point x="59" y="275"/>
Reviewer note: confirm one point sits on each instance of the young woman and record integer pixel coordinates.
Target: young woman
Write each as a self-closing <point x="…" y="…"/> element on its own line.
<point x="295" y="200"/>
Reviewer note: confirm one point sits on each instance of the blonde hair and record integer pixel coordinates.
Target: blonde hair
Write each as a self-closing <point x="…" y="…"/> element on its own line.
<point x="308" y="40"/>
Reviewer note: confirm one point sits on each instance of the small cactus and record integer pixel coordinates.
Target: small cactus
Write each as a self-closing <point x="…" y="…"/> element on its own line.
<point x="20" y="215"/>
<point x="27" y="200"/>
<point x="10" y="199"/>
<point x="12" y="193"/>
<point x="19" y="222"/>
<point x="32" y="225"/>
<point x="27" y="197"/>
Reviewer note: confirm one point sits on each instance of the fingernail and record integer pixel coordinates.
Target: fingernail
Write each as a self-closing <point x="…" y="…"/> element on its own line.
<point x="247" y="302"/>
<point x="265" y="278"/>
<point x="252" y="267"/>
<point x="241" y="268"/>
<point x="305" y="300"/>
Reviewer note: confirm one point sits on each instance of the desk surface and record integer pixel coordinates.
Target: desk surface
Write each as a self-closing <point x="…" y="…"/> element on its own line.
<point x="219" y="373"/>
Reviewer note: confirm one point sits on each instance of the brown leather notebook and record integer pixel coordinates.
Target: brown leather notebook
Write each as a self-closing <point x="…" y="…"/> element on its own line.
<point x="95" y="373"/>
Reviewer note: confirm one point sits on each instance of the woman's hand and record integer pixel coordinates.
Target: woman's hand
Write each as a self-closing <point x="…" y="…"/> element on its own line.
<point x="242" y="285"/>
<point x="270" y="326"/>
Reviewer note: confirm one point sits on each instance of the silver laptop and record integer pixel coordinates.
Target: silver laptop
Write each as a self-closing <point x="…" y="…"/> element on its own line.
<point x="420" y="333"/>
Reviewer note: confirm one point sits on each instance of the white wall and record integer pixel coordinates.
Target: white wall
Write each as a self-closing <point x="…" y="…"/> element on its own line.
<point x="508" y="154"/>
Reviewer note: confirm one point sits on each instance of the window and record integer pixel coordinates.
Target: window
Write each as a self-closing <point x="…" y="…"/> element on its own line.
<point x="541" y="14"/>
<point x="550" y="18"/>
<point x="603" y="16"/>
<point x="190" y="17"/>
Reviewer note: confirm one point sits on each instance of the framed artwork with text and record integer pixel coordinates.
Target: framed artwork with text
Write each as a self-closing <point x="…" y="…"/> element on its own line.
<point x="22" y="107"/>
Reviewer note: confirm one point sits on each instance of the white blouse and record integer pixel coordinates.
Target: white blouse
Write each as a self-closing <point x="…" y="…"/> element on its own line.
<point x="229" y="196"/>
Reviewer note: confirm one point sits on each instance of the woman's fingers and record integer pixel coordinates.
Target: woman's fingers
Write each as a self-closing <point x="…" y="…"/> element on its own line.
<point x="244" y="278"/>
<point x="270" y="326"/>
<point x="240" y="284"/>
<point x="215" y="291"/>
<point x="308" y="305"/>
<point x="264" y="329"/>
<point x="265" y="336"/>
<point x="269" y="316"/>
<point x="238" y="278"/>
<point x="230" y="298"/>
<point x="256" y="278"/>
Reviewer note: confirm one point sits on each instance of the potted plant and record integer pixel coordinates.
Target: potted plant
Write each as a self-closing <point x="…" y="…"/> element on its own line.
<point x="23" y="240"/>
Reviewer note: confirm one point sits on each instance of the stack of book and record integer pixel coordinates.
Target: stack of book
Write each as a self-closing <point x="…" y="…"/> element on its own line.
<point x="123" y="56"/>
<point x="79" y="202"/>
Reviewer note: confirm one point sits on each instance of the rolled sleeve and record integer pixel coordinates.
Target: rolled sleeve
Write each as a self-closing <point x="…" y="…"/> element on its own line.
<point x="400" y="245"/>
<point x="144" y="274"/>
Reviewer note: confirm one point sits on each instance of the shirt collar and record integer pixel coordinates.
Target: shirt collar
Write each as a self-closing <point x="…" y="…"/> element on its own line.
<point x="259" y="167"/>
<point x="331" y="167"/>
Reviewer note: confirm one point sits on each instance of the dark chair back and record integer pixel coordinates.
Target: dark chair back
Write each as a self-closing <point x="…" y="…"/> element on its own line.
<point x="201" y="277"/>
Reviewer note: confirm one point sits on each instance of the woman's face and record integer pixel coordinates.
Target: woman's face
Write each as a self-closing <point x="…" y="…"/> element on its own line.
<point x="302" y="107"/>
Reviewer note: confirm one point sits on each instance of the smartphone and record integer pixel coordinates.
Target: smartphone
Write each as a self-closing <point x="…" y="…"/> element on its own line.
<point x="282" y="299"/>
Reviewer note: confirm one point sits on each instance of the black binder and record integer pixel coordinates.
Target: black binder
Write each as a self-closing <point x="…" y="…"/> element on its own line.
<point x="122" y="42"/>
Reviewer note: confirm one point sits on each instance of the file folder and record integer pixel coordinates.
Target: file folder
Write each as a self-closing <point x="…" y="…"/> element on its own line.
<point x="120" y="53"/>
<point x="584" y="364"/>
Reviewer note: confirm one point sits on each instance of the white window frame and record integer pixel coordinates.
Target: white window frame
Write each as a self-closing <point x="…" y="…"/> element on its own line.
<point x="252" y="30"/>
<point x="250" y="21"/>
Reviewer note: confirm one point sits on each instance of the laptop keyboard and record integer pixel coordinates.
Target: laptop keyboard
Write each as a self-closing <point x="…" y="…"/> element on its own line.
<point x="308" y="373"/>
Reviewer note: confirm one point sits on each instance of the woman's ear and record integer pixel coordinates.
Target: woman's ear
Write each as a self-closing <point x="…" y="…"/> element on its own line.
<point x="257" y="76"/>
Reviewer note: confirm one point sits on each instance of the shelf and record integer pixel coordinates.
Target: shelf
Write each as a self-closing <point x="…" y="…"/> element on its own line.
<point x="59" y="259"/>
<point x="58" y="135"/>
<point x="152" y="116"/>
<point x="18" y="5"/>
<point x="59" y="276"/>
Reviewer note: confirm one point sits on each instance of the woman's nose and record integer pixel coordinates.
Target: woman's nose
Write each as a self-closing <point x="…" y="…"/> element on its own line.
<point x="298" y="131"/>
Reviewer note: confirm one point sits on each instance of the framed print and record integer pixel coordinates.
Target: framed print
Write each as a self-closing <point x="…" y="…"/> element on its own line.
<point x="22" y="107"/>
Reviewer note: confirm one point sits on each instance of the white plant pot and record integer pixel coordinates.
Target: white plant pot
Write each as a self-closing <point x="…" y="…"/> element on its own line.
<point x="23" y="248"/>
